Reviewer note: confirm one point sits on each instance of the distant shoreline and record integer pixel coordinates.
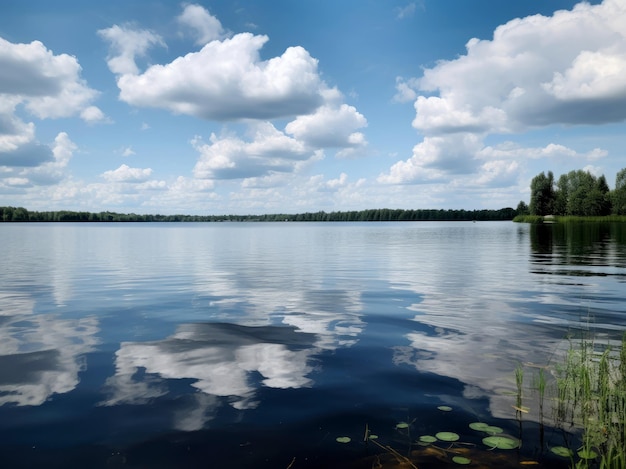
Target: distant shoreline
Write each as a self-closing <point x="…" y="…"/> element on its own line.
<point x="20" y="214"/>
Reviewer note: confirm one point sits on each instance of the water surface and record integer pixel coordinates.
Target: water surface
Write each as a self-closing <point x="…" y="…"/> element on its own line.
<point x="258" y="344"/>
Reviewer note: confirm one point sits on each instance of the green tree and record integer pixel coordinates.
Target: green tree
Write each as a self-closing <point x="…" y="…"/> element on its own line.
<point x="602" y="194"/>
<point x="561" y="196"/>
<point x="542" y="194"/>
<point x="619" y="194"/>
<point x="583" y="198"/>
<point x="522" y="208"/>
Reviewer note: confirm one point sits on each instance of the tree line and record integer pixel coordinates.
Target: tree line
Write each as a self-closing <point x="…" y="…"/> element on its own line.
<point x="20" y="214"/>
<point x="577" y="193"/>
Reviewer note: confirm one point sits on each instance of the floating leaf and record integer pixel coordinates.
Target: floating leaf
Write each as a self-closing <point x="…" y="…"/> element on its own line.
<point x="493" y="430"/>
<point x="344" y="439"/>
<point x="402" y="425"/>
<point x="373" y="437"/>
<point x="501" y="442"/>
<point x="428" y="439"/>
<point x="447" y="436"/>
<point x="562" y="451"/>
<point x="445" y="408"/>
<point x="587" y="453"/>
<point x="461" y="460"/>
<point x="479" y="426"/>
<point x="529" y="463"/>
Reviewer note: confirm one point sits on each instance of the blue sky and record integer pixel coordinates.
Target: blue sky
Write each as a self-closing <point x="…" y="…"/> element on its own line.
<point x="287" y="106"/>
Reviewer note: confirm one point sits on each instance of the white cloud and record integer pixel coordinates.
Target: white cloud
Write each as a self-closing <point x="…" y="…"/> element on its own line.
<point x="230" y="157"/>
<point x="205" y="26"/>
<point x="127" y="44"/>
<point x="227" y="80"/>
<point x="94" y="115"/>
<point x="127" y="174"/>
<point x="330" y="126"/>
<point x="534" y="72"/>
<point x="14" y="132"/>
<point x="406" y="89"/>
<point x="48" y="85"/>
<point x="499" y="173"/>
<point x="435" y="158"/>
<point x="337" y="183"/>
<point x="511" y="150"/>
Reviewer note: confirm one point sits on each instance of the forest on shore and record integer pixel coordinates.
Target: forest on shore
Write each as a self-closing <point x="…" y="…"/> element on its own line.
<point x="20" y="214"/>
<point x="577" y="193"/>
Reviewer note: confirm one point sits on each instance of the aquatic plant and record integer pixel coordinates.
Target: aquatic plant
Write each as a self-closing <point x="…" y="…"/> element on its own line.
<point x="591" y="396"/>
<point x="501" y="442"/>
<point x="447" y="436"/>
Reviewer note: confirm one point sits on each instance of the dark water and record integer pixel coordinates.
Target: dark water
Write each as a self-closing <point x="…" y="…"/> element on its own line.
<point x="257" y="345"/>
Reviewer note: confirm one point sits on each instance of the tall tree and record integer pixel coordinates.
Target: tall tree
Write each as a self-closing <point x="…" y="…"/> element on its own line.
<point x="542" y="194"/>
<point x="619" y="194"/>
<point x="561" y="195"/>
<point x="580" y="186"/>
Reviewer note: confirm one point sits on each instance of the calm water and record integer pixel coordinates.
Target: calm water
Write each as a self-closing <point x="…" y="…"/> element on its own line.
<point x="257" y="345"/>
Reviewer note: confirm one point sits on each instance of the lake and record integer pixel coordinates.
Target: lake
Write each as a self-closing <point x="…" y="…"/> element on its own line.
<point x="257" y="345"/>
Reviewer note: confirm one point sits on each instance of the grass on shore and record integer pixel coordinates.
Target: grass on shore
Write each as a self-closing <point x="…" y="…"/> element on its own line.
<point x="538" y="219"/>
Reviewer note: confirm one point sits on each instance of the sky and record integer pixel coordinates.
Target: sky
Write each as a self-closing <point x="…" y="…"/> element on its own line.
<point x="291" y="106"/>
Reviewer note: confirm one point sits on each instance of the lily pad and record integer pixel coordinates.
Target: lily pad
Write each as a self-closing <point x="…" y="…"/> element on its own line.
<point x="447" y="436"/>
<point x="461" y="460"/>
<point x="587" y="453"/>
<point x="445" y="408"/>
<point x="501" y="442"/>
<point x="479" y="426"/>
<point x="343" y="439"/>
<point x="562" y="451"/>
<point x="493" y="430"/>
<point x="402" y="425"/>
<point x="428" y="439"/>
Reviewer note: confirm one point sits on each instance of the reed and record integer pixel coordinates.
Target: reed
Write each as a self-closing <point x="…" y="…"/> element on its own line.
<point x="591" y="396"/>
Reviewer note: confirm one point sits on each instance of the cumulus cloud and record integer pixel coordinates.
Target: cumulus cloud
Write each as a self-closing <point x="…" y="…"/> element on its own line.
<point x="94" y="115"/>
<point x="54" y="170"/>
<point x="534" y="72"/>
<point x="203" y="25"/>
<point x="127" y="174"/>
<point x="128" y="43"/>
<point x="230" y="157"/>
<point x="270" y="151"/>
<point x="435" y="158"/>
<point x="48" y="85"/>
<point x="406" y="89"/>
<point x="329" y="127"/>
<point x="227" y="80"/>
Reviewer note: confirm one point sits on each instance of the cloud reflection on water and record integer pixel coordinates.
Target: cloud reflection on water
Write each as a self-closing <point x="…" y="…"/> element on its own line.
<point x="222" y="361"/>
<point x="40" y="355"/>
